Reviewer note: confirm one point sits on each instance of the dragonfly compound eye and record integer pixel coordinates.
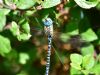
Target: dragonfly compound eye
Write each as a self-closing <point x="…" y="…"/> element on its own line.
<point x="47" y="22"/>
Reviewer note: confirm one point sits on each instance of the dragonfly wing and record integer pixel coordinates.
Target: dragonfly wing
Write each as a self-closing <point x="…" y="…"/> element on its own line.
<point x="37" y="31"/>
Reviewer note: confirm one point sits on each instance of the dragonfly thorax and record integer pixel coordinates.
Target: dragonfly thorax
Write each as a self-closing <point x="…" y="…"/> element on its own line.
<point x="48" y="30"/>
<point x="48" y="26"/>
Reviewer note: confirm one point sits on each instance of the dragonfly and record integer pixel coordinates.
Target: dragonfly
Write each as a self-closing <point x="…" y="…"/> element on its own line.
<point x="49" y="31"/>
<point x="48" y="27"/>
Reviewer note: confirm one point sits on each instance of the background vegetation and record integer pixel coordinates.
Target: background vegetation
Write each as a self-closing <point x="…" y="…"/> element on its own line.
<point x="76" y="41"/>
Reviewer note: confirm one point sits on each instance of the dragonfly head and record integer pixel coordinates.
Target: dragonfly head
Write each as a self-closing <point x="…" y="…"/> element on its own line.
<point x="47" y="22"/>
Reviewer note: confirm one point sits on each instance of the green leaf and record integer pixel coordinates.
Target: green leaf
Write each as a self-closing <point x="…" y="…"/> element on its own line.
<point x="76" y="14"/>
<point x="25" y="26"/>
<point x="15" y="1"/>
<point x="98" y="58"/>
<point x="86" y="4"/>
<point x="30" y="12"/>
<point x="85" y="72"/>
<point x="96" y="69"/>
<point x="4" y="11"/>
<point x="89" y="49"/>
<point x="98" y="34"/>
<point x="9" y="2"/>
<point x="88" y="61"/>
<point x="23" y="37"/>
<point x="64" y="37"/>
<point x="23" y="57"/>
<point x="50" y="3"/>
<point x="4" y="45"/>
<point x="98" y="6"/>
<point x="2" y="20"/>
<point x="13" y="54"/>
<point x="22" y="72"/>
<point x="25" y="4"/>
<point x="89" y="35"/>
<point x="14" y="29"/>
<point x="74" y="71"/>
<point x="76" y="59"/>
<point x="72" y="28"/>
<point x="76" y="66"/>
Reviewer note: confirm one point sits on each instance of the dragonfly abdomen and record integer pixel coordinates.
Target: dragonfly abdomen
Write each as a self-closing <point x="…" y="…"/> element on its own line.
<point x="48" y="54"/>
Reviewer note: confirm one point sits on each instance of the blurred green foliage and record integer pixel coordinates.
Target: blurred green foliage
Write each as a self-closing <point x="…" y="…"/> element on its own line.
<point x="76" y="43"/>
